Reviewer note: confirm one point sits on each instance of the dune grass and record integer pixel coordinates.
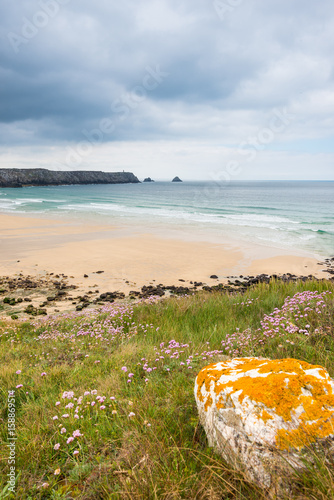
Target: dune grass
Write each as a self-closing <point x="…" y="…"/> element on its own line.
<point x="104" y="400"/>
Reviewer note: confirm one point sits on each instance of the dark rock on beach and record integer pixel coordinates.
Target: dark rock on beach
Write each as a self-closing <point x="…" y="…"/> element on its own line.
<point x="148" y="291"/>
<point x="32" y="295"/>
<point x="111" y="296"/>
<point x="178" y="290"/>
<point x="43" y="291"/>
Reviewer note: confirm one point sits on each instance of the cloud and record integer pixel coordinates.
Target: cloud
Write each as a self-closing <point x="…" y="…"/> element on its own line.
<point x="68" y="66"/>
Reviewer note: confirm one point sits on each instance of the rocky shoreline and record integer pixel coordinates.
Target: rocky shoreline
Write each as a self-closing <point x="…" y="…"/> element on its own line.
<point x="27" y="296"/>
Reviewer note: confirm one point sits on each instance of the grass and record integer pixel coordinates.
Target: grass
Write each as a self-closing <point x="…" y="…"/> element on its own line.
<point x="145" y="442"/>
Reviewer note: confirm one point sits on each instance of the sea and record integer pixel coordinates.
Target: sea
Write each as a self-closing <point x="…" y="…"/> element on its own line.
<point x="295" y="215"/>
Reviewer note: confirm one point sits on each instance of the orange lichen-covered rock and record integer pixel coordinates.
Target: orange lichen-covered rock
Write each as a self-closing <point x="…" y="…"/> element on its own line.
<point x="264" y="413"/>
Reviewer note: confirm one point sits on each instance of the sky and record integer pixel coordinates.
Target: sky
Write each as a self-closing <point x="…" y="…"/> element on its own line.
<point x="202" y="89"/>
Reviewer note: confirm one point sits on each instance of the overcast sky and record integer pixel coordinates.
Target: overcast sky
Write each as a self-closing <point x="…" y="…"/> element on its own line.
<point x="203" y="89"/>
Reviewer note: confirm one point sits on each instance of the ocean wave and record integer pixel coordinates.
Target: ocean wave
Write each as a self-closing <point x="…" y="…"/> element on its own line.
<point x="30" y="200"/>
<point x="6" y="202"/>
<point x="322" y="231"/>
<point x="254" y="207"/>
<point x="21" y="201"/>
<point x="263" y="218"/>
<point x="306" y="237"/>
<point x="306" y="223"/>
<point x="251" y="220"/>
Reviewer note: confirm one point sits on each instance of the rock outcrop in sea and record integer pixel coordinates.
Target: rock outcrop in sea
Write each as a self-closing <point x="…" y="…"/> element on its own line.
<point x="176" y="179"/>
<point x="266" y="416"/>
<point x="19" y="177"/>
<point x="148" y="179"/>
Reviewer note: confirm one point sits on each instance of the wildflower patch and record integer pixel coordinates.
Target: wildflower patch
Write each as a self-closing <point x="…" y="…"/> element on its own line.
<point x="297" y="318"/>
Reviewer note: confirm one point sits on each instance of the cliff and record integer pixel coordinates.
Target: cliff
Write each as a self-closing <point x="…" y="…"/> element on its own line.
<point x="19" y="177"/>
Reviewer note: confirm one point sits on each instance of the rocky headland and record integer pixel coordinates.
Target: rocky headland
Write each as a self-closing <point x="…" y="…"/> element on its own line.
<point x="20" y="177"/>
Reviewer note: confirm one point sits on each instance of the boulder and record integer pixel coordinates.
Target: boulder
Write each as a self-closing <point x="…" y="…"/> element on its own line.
<point x="266" y="416"/>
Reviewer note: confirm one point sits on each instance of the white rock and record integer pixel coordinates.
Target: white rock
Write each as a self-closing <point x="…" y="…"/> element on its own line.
<point x="260" y="414"/>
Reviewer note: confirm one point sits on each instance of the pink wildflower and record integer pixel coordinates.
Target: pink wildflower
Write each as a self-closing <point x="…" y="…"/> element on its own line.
<point x="68" y="395"/>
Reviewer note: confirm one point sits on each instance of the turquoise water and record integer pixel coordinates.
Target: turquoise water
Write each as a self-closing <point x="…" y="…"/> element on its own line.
<point x="298" y="215"/>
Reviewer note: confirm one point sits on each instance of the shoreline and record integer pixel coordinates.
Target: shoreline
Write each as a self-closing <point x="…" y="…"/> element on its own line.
<point x="120" y="259"/>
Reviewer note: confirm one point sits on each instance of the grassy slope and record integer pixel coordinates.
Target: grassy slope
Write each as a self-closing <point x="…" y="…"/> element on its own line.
<point x="160" y="451"/>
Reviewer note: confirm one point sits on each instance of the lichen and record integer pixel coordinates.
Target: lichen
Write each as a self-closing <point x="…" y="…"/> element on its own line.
<point x="265" y="416"/>
<point x="305" y="434"/>
<point x="208" y="402"/>
<point x="285" y="388"/>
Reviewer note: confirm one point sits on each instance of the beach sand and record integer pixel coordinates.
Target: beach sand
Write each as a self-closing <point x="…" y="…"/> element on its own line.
<point x="131" y="258"/>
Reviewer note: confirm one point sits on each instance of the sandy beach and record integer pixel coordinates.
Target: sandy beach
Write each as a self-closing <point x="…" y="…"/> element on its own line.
<point x="102" y="258"/>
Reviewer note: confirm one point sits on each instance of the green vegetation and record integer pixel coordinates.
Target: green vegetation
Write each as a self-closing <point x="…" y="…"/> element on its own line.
<point x="104" y="400"/>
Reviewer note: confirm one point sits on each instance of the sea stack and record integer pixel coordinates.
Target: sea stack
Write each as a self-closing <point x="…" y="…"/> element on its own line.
<point x="176" y="179"/>
<point x="148" y="179"/>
